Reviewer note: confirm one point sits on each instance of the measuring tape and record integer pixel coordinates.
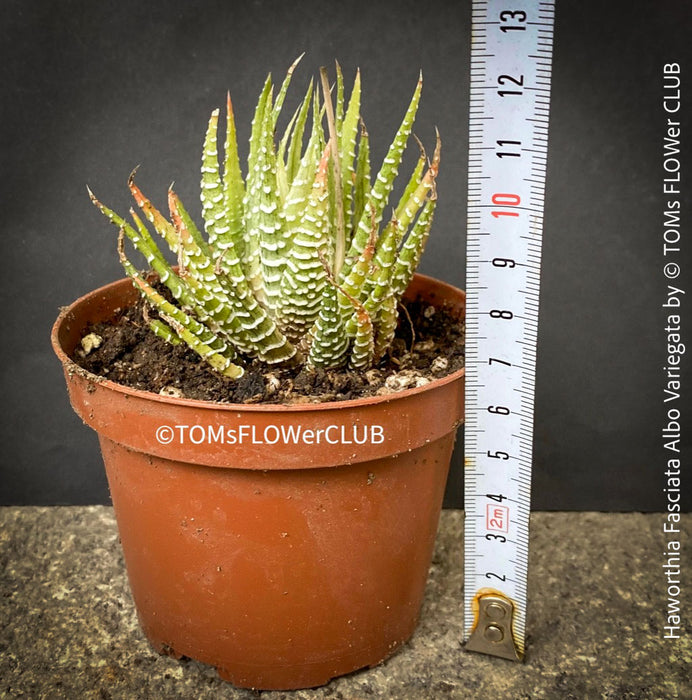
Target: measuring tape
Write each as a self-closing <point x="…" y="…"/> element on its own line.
<point x="510" y="94"/>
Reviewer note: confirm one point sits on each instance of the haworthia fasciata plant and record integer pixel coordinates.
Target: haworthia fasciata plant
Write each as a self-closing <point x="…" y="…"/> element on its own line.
<point x="297" y="262"/>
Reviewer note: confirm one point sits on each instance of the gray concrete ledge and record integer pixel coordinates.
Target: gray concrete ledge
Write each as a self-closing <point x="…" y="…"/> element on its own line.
<point x="598" y="601"/>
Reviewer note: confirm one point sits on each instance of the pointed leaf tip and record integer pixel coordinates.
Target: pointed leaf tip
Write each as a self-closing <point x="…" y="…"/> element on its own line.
<point x="296" y="62"/>
<point x="93" y="199"/>
<point x="131" y="177"/>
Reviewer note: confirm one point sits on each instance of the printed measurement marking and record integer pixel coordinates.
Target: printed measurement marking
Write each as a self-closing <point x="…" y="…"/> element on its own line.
<point x="497" y="518"/>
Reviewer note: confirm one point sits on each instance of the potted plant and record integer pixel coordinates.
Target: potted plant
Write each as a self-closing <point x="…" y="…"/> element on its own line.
<point x="286" y="542"/>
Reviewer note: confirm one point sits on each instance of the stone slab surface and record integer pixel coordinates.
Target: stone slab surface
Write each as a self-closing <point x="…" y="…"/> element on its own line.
<point x="597" y="611"/>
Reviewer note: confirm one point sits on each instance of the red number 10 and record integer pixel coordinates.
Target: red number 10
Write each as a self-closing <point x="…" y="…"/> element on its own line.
<point x="507" y="200"/>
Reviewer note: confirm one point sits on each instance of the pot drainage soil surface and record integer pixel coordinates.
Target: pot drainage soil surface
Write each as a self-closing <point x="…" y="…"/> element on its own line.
<point x="130" y="354"/>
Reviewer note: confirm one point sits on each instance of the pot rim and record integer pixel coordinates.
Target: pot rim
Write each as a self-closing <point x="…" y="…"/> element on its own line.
<point x="71" y="367"/>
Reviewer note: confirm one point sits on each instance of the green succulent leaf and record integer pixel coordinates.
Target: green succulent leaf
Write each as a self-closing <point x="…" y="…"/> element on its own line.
<point x="347" y="151"/>
<point x="198" y="336"/>
<point x="361" y="185"/>
<point x="304" y="275"/>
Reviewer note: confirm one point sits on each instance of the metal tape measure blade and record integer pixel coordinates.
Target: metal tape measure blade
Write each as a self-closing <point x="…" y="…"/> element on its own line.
<point x="508" y="136"/>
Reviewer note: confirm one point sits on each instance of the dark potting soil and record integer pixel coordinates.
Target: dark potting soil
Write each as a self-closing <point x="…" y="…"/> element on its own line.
<point x="130" y="354"/>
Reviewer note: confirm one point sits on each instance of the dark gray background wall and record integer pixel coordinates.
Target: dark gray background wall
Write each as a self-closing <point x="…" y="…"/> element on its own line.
<point x="91" y="89"/>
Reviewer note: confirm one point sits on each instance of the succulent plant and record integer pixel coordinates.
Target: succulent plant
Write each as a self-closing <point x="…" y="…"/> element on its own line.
<point x="297" y="264"/>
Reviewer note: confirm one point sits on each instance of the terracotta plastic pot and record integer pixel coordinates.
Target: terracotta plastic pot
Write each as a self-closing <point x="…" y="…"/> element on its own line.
<point x="283" y="561"/>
